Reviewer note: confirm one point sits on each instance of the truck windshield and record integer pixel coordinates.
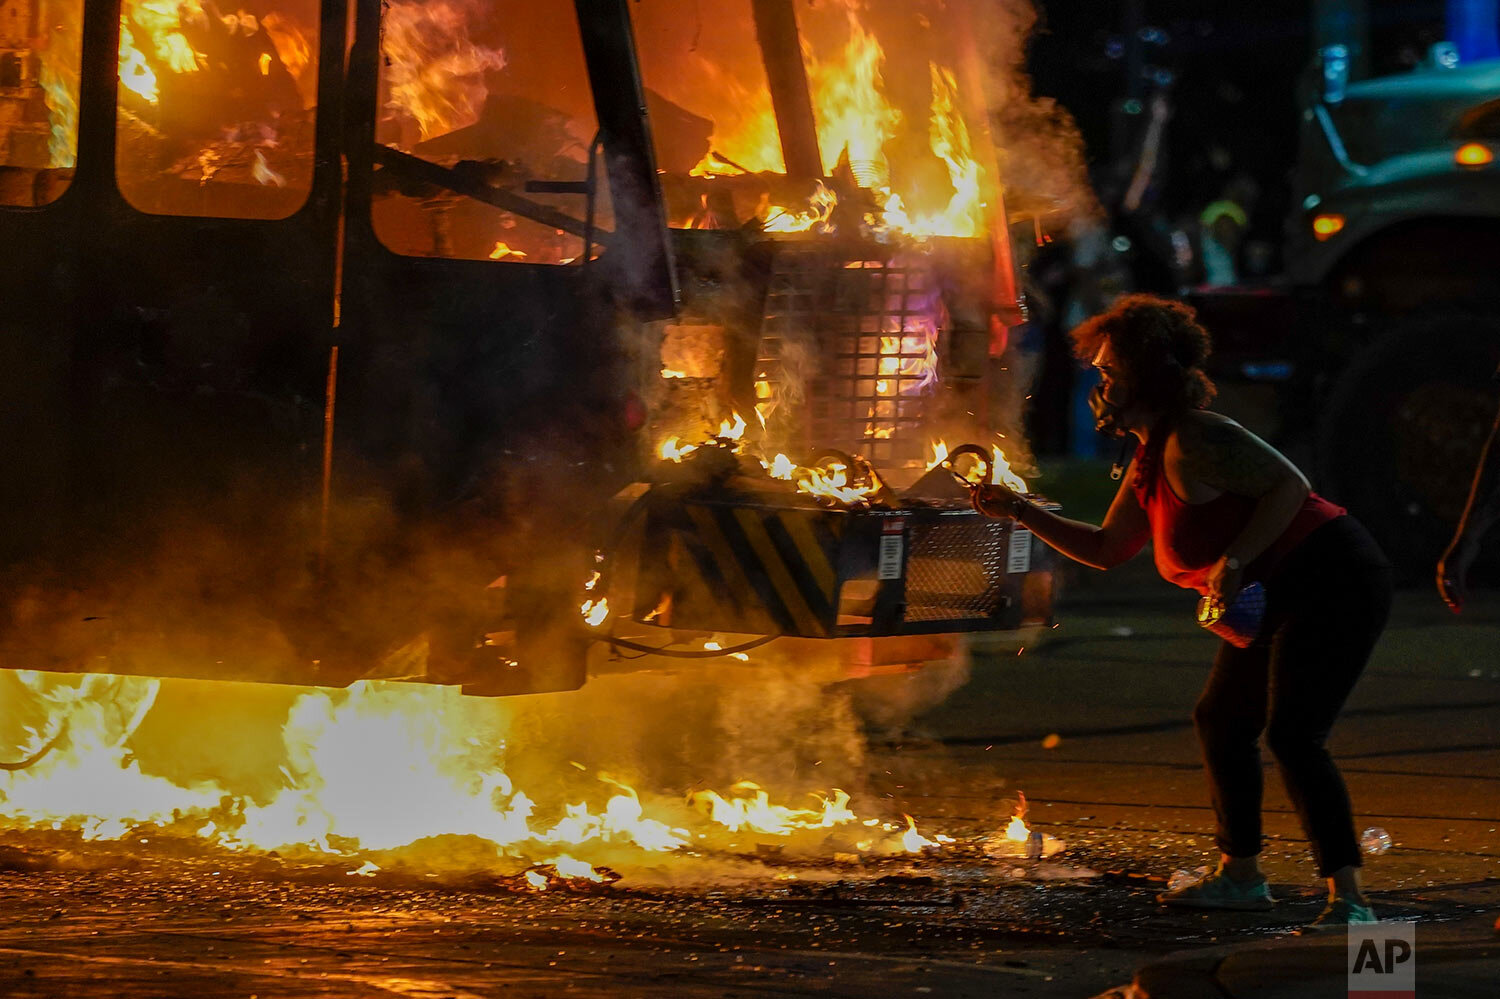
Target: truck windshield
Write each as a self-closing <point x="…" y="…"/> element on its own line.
<point x="898" y="112"/>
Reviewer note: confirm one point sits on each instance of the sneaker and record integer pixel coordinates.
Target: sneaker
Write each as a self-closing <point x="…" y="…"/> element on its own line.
<point x="1339" y="913"/>
<point x="1219" y="891"/>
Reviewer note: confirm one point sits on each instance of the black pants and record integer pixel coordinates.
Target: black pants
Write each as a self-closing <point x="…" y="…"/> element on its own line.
<point x="1326" y="605"/>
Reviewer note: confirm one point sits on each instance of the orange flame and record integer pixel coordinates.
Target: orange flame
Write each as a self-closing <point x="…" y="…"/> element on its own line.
<point x="731" y="433"/>
<point x="752" y="810"/>
<point x="832" y="482"/>
<point x="851" y="107"/>
<point x="433" y="70"/>
<point x="997" y="470"/>
<point x="58" y="76"/>
<point x="595" y="611"/>
<point x="504" y="251"/>
<point x="672" y="449"/>
<point x="820" y="208"/>
<point x="913" y="841"/>
<point x="159" y="22"/>
<point x="1000" y="473"/>
<point x="379" y="766"/>
<point x="781" y="467"/>
<point x="732" y="429"/>
<point x="1018" y="830"/>
<point x="855" y="121"/>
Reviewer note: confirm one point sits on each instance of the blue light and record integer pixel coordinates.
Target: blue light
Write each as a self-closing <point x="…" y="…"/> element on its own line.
<point x="1267" y="371"/>
<point x="1474" y="27"/>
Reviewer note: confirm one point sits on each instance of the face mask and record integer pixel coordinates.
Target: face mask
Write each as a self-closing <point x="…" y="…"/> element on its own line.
<point x="1106" y="413"/>
<point x="1106" y="421"/>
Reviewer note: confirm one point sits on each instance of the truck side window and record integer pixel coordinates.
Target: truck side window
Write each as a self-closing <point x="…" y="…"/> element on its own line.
<point x="40" y="52"/>
<point x="494" y="94"/>
<point x="216" y="107"/>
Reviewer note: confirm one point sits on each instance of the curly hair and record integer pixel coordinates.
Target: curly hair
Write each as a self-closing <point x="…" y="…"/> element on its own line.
<point x="1161" y="347"/>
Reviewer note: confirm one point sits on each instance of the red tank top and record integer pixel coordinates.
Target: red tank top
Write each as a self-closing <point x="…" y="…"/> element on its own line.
<point x="1188" y="538"/>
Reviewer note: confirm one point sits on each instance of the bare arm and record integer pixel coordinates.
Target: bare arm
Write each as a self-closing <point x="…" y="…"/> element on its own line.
<point x="1123" y="533"/>
<point x="1214" y="452"/>
<point x="1480" y="513"/>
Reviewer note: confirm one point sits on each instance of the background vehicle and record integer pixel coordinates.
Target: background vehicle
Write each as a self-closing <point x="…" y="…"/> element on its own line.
<point x="1384" y="337"/>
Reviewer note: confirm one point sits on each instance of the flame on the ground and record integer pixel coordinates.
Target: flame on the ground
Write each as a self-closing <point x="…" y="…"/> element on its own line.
<point x="379" y="767"/>
<point x="712" y="646"/>
<point x="913" y="841"/>
<point x="1017" y="829"/>
<point x="751" y="808"/>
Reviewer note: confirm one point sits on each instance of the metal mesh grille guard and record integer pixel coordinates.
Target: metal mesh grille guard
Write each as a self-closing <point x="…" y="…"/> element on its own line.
<point x="956" y="570"/>
<point x="848" y="353"/>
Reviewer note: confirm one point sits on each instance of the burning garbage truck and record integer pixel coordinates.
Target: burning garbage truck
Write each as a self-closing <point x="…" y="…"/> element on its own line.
<point x="500" y="344"/>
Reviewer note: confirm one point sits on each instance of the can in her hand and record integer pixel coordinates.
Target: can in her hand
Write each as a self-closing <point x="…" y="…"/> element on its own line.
<point x="1239" y="623"/>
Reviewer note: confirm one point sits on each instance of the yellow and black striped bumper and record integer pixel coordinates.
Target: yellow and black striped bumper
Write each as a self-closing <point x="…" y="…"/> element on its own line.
<point x="769" y="568"/>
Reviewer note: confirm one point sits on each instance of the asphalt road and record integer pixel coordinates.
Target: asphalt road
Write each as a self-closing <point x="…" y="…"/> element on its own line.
<point x="1119" y="783"/>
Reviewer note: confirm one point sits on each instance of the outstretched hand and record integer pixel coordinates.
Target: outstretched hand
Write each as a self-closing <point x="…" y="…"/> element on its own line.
<point x="1451" y="569"/>
<point x="994" y="500"/>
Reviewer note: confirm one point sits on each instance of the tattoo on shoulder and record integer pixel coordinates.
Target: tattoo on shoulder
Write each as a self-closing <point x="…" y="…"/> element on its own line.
<point x="1228" y="457"/>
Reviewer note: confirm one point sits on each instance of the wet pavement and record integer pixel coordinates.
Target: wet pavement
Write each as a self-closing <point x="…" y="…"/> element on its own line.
<point x="1119" y="784"/>
<point x="87" y="923"/>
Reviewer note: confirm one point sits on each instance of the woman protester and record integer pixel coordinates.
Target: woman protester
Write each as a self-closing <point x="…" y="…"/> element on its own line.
<point x="1223" y="509"/>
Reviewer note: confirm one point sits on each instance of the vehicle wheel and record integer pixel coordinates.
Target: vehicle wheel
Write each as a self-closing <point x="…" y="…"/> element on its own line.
<point x="1403" y="430"/>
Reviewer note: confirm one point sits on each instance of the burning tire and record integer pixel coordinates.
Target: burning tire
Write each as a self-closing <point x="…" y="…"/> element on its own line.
<point x="1404" y="428"/>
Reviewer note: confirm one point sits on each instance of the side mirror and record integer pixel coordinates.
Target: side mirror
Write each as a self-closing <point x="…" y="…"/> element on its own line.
<point x="1333" y="61"/>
